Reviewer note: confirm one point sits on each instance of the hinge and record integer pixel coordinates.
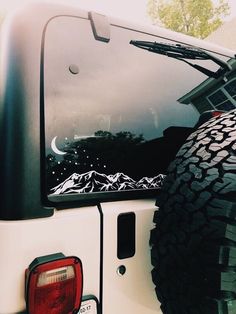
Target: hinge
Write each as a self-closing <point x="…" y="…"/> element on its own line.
<point x="100" y="26"/>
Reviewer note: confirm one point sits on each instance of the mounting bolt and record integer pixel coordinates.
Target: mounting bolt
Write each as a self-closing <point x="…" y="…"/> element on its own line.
<point x="74" y="69"/>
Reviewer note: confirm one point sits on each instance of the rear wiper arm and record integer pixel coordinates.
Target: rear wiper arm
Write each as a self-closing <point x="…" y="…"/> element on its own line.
<point x="182" y="53"/>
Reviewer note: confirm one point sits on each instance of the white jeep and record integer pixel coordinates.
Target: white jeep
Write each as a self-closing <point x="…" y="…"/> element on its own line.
<point x="89" y="124"/>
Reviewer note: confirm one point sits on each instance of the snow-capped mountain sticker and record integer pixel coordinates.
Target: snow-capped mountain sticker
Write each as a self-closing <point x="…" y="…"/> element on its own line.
<point x="94" y="181"/>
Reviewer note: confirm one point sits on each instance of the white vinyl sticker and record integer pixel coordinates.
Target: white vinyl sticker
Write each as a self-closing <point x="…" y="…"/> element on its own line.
<point x="88" y="307"/>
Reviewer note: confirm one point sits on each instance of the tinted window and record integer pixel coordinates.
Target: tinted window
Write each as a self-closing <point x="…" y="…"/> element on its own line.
<point x="112" y="117"/>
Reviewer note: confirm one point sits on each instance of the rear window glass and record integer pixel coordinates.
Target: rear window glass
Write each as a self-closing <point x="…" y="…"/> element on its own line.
<point x="112" y="115"/>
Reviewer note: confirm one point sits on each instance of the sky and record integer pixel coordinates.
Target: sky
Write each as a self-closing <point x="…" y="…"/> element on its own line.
<point x="132" y="10"/>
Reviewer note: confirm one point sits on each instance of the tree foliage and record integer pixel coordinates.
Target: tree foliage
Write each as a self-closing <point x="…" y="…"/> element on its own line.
<point x="197" y="18"/>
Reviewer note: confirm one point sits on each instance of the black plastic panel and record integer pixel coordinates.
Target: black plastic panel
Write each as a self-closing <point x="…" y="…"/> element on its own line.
<point x="126" y="235"/>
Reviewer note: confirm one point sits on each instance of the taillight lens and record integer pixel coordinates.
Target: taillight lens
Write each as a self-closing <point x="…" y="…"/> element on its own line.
<point x="54" y="285"/>
<point x="217" y="113"/>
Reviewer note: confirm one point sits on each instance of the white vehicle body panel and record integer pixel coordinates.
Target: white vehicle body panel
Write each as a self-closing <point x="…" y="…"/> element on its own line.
<point x="73" y="232"/>
<point x="133" y="292"/>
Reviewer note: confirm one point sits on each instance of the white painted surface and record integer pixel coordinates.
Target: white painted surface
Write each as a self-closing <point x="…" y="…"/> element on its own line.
<point x="133" y="292"/>
<point x="73" y="232"/>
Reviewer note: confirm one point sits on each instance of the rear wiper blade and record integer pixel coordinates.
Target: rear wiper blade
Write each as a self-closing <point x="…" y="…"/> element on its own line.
<point x="181" y="52"/>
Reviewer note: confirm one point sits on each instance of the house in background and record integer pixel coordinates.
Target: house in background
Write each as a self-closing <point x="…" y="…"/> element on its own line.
<point x="217" y="94"/>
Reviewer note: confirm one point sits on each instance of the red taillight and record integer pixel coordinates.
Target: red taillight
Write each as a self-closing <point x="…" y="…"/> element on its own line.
<point x="217" y="113"/>
<point x="54" y="285"/>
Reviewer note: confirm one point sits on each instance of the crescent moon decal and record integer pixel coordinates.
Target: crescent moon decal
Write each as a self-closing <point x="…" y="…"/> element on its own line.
<point x="54" y="147"/>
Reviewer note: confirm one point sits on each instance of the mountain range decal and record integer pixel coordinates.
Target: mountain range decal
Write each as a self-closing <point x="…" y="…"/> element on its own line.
<point x="94" y="181"/>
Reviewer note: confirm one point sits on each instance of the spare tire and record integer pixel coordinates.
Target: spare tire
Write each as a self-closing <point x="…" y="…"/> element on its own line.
<point x="194" y="239"/>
